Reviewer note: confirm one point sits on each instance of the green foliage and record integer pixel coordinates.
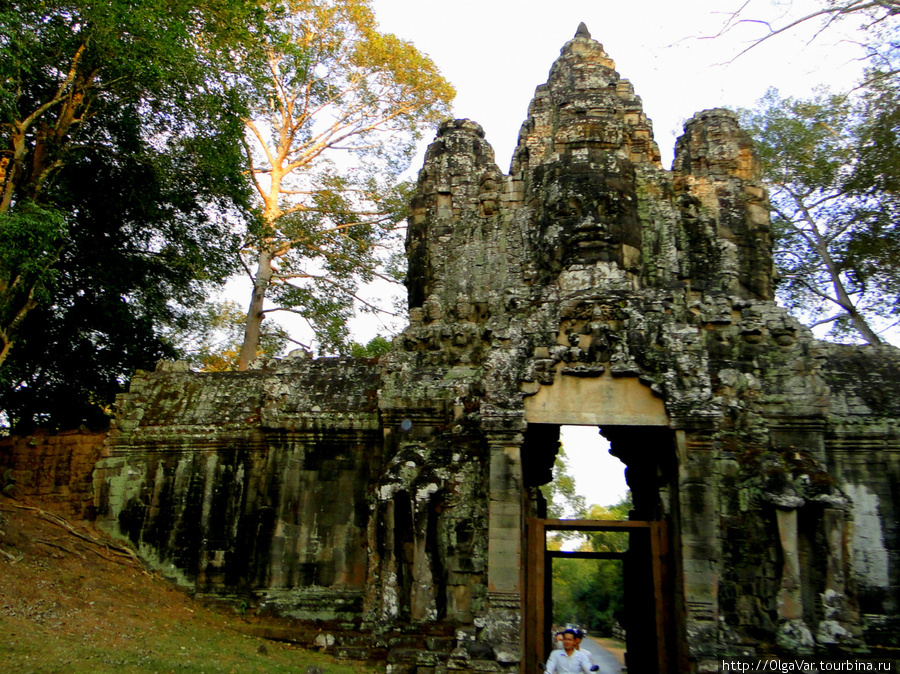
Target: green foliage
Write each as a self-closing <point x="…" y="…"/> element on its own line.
<point x="585" y="591"/>
<point x="834" y="182"/>
<point x="336" y="113"/>
<point x="562" y="500"/>
<point x="831" y="163"/>
<point x="109" y="115"/>
<point x="31" y="240"/>
<point x="374" y="348"/>
<point x="591" y="592"/>
<point x="609" y="541"/>
<point x="210" y="337"/>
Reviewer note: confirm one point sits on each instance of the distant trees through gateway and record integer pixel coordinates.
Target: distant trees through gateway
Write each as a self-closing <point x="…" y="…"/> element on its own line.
<point x="588" y="483"/>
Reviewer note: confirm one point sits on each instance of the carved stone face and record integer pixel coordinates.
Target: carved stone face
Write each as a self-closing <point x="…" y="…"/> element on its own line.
<point x="588" y="215"/>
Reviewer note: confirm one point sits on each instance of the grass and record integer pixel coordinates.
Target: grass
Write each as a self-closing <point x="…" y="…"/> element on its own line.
<point x="69" y="604"/>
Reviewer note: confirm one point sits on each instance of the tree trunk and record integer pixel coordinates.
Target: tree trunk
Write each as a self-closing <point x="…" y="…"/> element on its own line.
<point x="862" y="325"/>
<point x="253" y="327"/>
<point x="842" y="297"/>
<point x="844" y="301"/>
<point x="5" y="346"/>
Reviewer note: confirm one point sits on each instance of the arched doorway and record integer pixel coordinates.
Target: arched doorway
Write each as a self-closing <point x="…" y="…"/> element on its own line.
<point x="635" y="423"/>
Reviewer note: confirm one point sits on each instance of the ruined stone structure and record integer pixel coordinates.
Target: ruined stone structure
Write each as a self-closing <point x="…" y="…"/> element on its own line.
<point x="587" y="286"/>
<point x="55" y="468"/>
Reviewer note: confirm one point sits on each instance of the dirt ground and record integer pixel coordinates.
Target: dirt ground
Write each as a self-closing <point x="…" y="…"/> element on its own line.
<point x="73" y="600"/>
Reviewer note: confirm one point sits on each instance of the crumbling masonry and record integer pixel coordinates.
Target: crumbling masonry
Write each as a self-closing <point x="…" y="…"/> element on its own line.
<point x="381" y="500"/>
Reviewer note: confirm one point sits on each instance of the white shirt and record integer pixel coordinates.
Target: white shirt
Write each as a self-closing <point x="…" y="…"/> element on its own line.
<point x="560" y="663"/>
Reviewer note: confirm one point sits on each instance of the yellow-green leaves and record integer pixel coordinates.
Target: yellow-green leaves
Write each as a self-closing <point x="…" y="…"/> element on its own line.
<point x="338" y="110"/>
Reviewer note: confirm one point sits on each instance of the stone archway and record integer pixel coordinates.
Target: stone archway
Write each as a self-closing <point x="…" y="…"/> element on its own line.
<point x="635" y="422"/>
<point x="587" y="280"/>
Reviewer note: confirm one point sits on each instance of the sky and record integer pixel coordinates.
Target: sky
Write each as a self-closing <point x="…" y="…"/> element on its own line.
<point x="599" y="477"/>
<point x="495" y="52"/>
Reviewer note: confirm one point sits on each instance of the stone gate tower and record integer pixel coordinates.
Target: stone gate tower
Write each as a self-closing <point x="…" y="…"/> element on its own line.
<point x="587" y="286"/>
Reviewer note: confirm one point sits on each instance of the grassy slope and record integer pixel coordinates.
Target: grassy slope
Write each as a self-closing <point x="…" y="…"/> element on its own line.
<point x="68" y="604"/>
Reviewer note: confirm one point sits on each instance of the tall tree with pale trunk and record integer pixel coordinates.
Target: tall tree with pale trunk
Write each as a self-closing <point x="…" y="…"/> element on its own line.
<point x="337" y="114"/>
<point x="832" y="169"/>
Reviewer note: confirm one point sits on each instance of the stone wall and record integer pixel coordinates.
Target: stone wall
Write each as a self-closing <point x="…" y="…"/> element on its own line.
<point x="57" y="468"/>
<point x="254" y="483"/>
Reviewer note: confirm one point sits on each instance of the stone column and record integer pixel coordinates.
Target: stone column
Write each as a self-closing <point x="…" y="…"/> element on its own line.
<point x="832" y="630"/>
<point x="505" y="525"/>
<point x="699" y="539"/>
<point x="790" y="602"/>
<point x="793" y="634"/>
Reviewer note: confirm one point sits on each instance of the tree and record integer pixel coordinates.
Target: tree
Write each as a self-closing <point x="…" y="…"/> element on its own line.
<point x="374" y="348"/>
<point x="210" y="339"/>
<point x="609" y="541"/>
<point x="139" y="255"/>
<point x="592" y="592"/>
<point x="119" y="167"/>
<point x="336" y="116"/>
<point x="562" y="499"/>
<point x="833" y="163"/>
<point x="876" y="20"/>
<point x="835" y="230"/>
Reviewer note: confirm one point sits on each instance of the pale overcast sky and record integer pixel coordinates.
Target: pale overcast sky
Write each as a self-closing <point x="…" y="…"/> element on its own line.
<point x="495" y="52"/>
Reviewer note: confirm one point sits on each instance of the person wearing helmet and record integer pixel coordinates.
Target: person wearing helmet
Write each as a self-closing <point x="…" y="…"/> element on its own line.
<point x="568" y="660"/>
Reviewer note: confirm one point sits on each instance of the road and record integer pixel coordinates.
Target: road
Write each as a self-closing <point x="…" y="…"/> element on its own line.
<point x="602" y="657"/>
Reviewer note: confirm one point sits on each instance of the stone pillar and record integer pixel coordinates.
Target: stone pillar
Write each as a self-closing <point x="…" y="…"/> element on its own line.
<point x="793" y="634"/>
<point x="832" y="629"/>
<point x="505" y="525"/>
<point x="834" y="535"/>
<point x="699" y="540"/>
<point x="790" y="602"/>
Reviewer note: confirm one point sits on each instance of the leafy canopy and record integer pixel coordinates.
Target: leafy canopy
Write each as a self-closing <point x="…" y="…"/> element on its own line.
<point x="832" y="166"/>
<point x="592" y="592"/>
<point x="335" y="117"/>
<point x="211" y="337"/>
<point x="120" y="172"/>
<point x="563" y="502"/>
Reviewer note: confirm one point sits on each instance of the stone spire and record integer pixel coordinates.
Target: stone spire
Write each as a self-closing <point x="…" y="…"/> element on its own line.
<point x="586" y="203"/>
<point x="724" y="207"/>
<point x="586" y="132"/>
<point x="585" y="104"/>
<point x="454" y="231"/>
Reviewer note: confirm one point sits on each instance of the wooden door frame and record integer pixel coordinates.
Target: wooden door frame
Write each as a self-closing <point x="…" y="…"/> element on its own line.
<point x="537" y="574"/>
